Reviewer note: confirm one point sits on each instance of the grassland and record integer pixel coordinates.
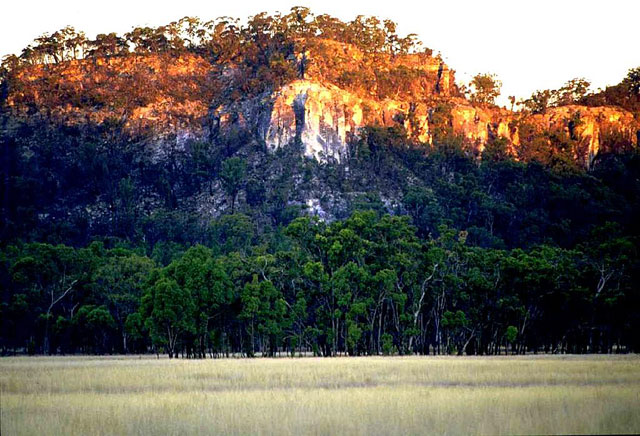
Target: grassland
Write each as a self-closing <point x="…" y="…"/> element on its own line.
<point x="374" y="395"/>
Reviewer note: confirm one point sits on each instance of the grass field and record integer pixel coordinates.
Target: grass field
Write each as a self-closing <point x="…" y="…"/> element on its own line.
<point x="371" y="395"/>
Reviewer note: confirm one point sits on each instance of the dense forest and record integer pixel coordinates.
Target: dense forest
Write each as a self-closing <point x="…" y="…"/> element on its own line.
<point x="496" y="257"/>
<point x="220" y="246"/>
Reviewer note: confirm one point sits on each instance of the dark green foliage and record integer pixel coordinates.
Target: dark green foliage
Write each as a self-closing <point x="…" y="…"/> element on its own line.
<point x="232" y="177"/>
<point x="471" y="251"/>
<point x="573" y="92"/>
<point x="626" y="94"/>
<point x="364" y="285"/>
<point x="478" y="258"/>
<point x="169" y="313"/>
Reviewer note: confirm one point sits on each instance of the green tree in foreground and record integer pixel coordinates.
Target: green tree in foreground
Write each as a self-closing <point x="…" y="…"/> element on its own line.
<point x="169" y="313"/>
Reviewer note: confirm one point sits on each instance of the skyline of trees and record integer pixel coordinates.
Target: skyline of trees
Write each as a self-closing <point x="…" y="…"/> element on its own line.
<point x="220" y="38"/>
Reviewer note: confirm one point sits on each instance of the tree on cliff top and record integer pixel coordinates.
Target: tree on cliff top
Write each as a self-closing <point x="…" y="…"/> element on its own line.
<point x="572" y="92"/>
<point x="485" y="88"/>
<point x="633" y="81"/>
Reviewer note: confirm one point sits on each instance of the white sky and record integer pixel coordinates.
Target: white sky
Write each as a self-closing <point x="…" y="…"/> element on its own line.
<point x="530" y="45"/>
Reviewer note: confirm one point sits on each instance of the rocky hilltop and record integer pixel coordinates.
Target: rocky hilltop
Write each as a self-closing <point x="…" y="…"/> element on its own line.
<point x="324" y="113"/>
<point x="324" y="92"/>
<point x="157" y="92"/>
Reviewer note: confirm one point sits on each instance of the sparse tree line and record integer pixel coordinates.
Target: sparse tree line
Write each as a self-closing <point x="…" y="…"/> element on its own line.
<point x="485" y="88"/>
<point x="264" y="50"/>
<point x="626" y="95"/>
<point x="366" y="285"/>
<point x="233" y="60"/>
<point x="224" y="38"/>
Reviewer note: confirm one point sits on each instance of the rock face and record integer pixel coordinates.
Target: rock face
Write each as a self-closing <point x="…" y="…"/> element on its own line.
<point x="325" y="110"/>
<point x="320" y="117"/>
<point x="595" y="129"/>
<point x="339" y="91"/>
<point x="324" y="118"/>
<point x="480" y="124"/>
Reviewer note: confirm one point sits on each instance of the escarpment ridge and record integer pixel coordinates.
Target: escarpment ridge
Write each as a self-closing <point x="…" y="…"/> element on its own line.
<point x="282" y="80"/>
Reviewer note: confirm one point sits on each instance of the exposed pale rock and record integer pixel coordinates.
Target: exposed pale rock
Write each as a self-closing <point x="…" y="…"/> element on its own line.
<point x="479" y="124"/>
<point x="322" y="118"/>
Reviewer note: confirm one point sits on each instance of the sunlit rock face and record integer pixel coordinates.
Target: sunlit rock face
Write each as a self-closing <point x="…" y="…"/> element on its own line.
<point x="340" y="91"/>
<point x="479" y="124"/>
<point x="321" y="118"/>
<point x="324" y="118"/>
<point x="591" y="127"/>
<point x="586" y="127"/>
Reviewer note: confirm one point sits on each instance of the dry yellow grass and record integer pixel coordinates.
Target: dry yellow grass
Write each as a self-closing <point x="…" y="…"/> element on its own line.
<point x="375" y="395"/>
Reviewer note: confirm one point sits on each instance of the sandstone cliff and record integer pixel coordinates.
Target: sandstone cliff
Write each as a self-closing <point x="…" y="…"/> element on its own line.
<point x="321" y="117"/>
<point x="325" y="110"/>
<point x="161" y="93"/>
<point x="339" y="90"/>
<point x="594" y="129"/>
<point x="324" y="118"/>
